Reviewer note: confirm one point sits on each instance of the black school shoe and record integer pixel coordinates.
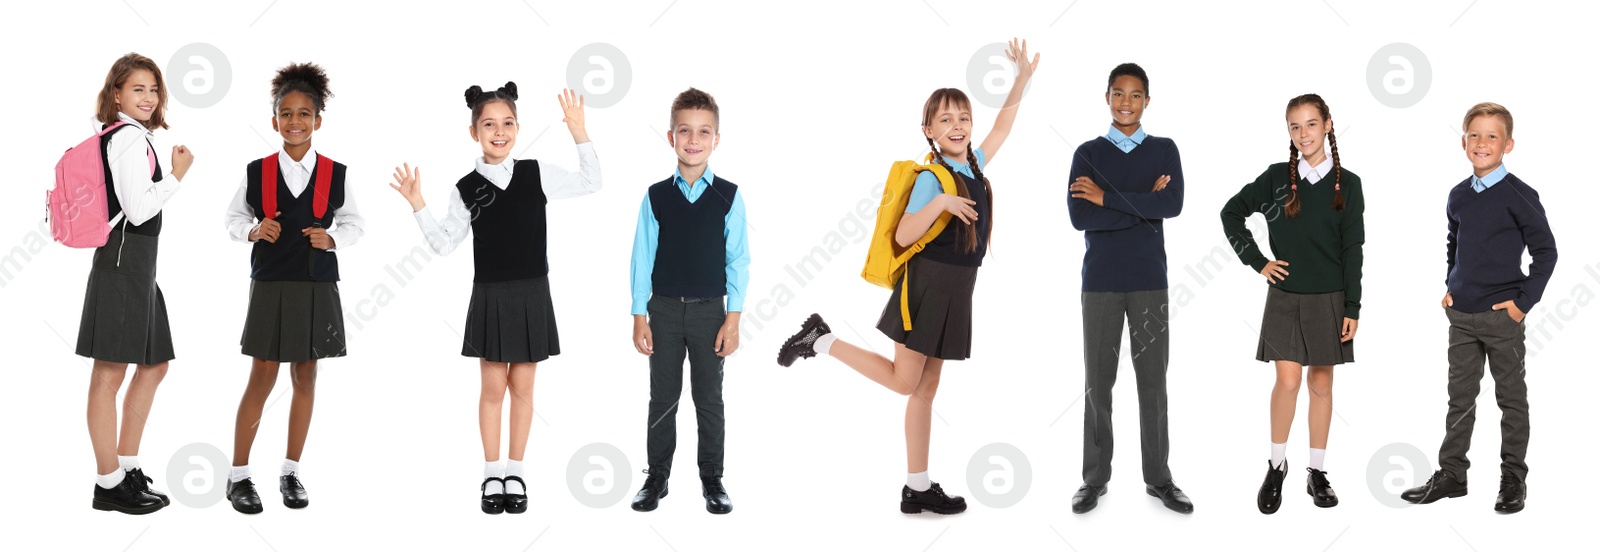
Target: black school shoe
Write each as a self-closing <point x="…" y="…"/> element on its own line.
<point x="127" y="497"/>
<point x="1321" y="491"/>
<point x="515" y="503"/>
<point x="803" y="344"/>
<point x="294" y="494"/>
<point x="717" y="501"/>
<point x="1171" y="496"/>
<point x="932" y="500"/>
<point x="243" y="497"/>
<point x="143" y="482"/>
<point x="492" y="503"/>
<point x="1440" y="485"/>
<point x="1087" y="497"/>
<point x="1513" y="492"/>
<point x="1270" y="497"/>
<point x="655" y="489"/>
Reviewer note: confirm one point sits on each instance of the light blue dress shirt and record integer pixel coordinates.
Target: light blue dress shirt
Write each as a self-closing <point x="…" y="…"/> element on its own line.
<point x="1124" y="142"/>
<point x="928" y="187"/>
<point x="647" y="236"/>
<point x="1481" y="184"/>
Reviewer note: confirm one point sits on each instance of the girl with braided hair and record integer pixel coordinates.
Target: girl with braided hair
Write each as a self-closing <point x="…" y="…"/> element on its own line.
<point x="947" y="269"/>
<point x="511" y="323"/>
<point x="295" y="209"/>
<point x="1313" y="207"/>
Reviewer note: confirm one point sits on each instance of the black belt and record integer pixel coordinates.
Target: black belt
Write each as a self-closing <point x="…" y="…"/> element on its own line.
<point x="688" y="299"/>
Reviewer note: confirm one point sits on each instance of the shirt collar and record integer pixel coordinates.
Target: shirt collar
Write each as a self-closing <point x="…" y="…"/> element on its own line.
<point x="499" y="173"/>
<point x="1123" y="141"/>
<point x="1494" y="177"/>
<point x="1314" y="174"/>
<point x="705" y="178"/>
<point x="132" y="121"/>
<point x="306" y="163"/>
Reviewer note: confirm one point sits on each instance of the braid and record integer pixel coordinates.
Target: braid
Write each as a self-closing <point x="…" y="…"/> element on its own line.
<point x="969" y="238"/>
<point x="1292" y="206"/>
<point x="1338" y="196"/>
<point x="988" y="190"/>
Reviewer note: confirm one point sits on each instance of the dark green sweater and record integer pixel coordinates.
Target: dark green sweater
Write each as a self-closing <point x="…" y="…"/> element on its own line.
<point x="1322" y="245"/>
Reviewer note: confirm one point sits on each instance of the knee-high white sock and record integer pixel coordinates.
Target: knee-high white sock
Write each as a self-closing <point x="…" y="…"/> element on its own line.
<point x="514" y="467"/>
<point x="919" y="481"/>
<point x="128" y="462"/>
<point x="1279" y="452"/>
<point x="496" y="470"/>
<point x="823" y="343"/>
<point x="290" y="467"/>
<point x="1316" y="458"/>
<point x="238" y="473"/>
<point x="110" y="480"/>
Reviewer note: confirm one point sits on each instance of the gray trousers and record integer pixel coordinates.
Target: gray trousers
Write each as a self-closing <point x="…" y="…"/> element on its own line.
<point x="1146" y="316"/>
<point x="681" y="330"/>
<point x="1474" y="337"/>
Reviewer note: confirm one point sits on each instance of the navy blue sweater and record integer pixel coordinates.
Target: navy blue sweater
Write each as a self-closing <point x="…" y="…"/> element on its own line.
<point x="1487" y="232"/>
<point x="1124" y="248"/>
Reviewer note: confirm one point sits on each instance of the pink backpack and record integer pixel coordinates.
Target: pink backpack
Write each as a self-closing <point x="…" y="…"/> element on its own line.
<point x="77" y="203"/>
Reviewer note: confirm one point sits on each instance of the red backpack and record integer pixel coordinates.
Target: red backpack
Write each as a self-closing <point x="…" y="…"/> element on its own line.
<point x="269" y="186"/>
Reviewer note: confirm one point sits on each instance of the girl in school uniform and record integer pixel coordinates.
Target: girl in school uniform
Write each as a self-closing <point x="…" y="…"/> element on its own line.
<point x="124" y="314"/>
<point x="511" y="324"/>
<point x="1313" y="208"/>
<point x="941" y="294"/>
<point x="294" y="207"/>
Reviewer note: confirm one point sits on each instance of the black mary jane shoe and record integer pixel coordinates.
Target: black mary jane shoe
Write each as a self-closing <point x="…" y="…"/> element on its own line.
<point x="1321" y="491"/>
<point x="516" y="503"/>
<point x="932" y="500"/>
<point x="126" y="497"/>
<point x="243" y="497"/>
<point x="493" y="503"/>
<point x="294" y="493"/>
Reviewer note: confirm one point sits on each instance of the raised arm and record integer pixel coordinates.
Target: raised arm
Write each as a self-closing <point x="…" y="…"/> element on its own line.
<point x="1018" y="54"/>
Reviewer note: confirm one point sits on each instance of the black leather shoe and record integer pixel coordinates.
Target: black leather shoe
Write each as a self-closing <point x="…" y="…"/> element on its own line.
<point x="492" y="503"/>
<point x="655" y="489"/>
<point x="932" y="500"/>
<point x="803" y="344"/>
<point x="1320" y="490"/>
<point x="127" y="497"/>
<point x="294" y="494"/>
<point x="1270" y="497"/>
<point x="717" y="501"/>
<point x="243" y="496"/>
<point x="516" y="503"/>
<point x="1441" y="485"/>
<point x="1087" y="497"/>
<point x="143" y="482"/>
<point x="1171" y="496"/>
<point x="1512" y="494"/>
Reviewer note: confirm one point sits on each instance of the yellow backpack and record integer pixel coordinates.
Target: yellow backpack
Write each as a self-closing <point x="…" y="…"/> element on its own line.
<point x="886" y="260"/>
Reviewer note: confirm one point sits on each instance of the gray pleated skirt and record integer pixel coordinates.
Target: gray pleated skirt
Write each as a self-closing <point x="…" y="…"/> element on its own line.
<point x="124" y="314"/>
<point x="293" y="321"/>
<point x="511" y="321"/>
<point x="1304" y="328"/>
<point x="941" y="310"/>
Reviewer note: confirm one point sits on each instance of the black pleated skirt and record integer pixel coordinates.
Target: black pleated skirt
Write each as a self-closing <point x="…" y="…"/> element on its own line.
<point x="941" y="309"/>
<point x="1304" y="328"/>
<point x="511" y="321"/>
<point x="124" y="314"/>
<point x="293" y="321"/>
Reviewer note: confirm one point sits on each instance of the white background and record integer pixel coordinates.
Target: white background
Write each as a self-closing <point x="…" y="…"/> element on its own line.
<point x="817" y="100"/>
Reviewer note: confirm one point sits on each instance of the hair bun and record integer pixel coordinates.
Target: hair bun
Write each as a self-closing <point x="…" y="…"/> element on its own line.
<point x="510" y="90"/>
<point x="473" y="93"/>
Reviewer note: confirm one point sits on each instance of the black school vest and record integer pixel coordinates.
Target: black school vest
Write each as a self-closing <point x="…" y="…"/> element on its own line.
<point x="691" y="250"/>
<point x="947" y="248"/>
<point x="292" y="258"/>
<point x="508" y="226"/>
<point x="150" y="227"/>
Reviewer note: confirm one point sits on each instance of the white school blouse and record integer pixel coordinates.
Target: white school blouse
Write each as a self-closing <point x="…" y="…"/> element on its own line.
<point x="558" y="183"/>
<point x="140" y="197"/>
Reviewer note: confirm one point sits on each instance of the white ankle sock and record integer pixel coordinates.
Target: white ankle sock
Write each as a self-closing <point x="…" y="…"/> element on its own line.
<point x="496" y="470"/>
<point x="238" y="473"/>
<point x="514" y="467"/>
<point x="128" y="462"/>
<point x="1279" y="451"/>
<point x="1316" y="458"/>
<point x="919" y="481"/>
<point x="823" y="343"/>
<point x="109" y="480"/>
<point x="291" y="467"/>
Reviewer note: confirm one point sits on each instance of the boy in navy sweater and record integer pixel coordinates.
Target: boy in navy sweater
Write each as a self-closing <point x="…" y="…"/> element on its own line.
<point x="1125" y="278"/>
<point x="1492" y="216"/>
<point x="689" y="251"/>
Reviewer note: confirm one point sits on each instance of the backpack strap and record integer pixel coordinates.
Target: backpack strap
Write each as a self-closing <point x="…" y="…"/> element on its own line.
<point x="319" y="203"/>
<point x="948" y="183"/>
<point x="269" y="186"/>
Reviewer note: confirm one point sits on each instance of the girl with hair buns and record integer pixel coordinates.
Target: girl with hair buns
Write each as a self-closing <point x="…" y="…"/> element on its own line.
<point x="1313" y="207"/>
<point x="295" y="208"/>
<point x="511" y="323"/>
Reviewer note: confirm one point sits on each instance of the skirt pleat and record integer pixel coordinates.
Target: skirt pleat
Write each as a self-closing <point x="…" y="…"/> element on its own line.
<point x="941" y="310"/>
<point x="124" y="312"/>
<point x="511" y="322"/>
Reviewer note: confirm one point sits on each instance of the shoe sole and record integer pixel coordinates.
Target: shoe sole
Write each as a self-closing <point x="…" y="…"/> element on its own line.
<point x="1164" y="503"/>
<point x="918" y="508"/>
<point x="1430" y="499"/>
<point x="1499" y="510"/>
<point x="112" y="507"/>
<point x="517" y="509"/>
<point x="255" y="510"/>
<point x="811" y="322"/>
<point x="296" y="506"/>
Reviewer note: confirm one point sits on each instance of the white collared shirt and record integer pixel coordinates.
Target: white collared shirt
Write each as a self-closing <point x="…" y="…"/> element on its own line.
<point x="141" y="197"/>
<point x="558" y="183"/>
<point x="348" y="224"/>
<point x="1313" y="174"/>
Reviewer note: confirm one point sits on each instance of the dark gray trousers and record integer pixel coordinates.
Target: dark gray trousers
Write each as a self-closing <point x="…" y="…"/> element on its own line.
<point x="682" y="330"/>
<point x="1474" y="337"/>
<point x="1146" y="316"/>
